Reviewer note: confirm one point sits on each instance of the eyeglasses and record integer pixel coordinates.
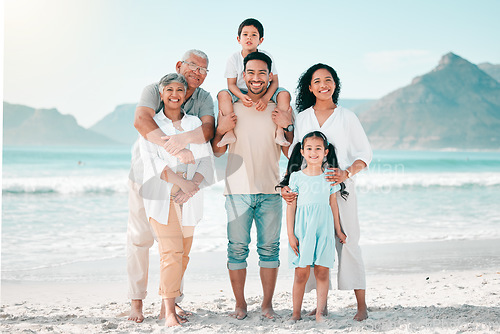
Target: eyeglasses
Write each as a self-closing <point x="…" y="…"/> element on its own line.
<point x="193" y="67"/>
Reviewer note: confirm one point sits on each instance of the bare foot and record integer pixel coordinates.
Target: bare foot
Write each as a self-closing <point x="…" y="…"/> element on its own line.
<point x="228" y="138"/>
<point x="136" y="311"/>
<point x="180" y="311"/>
<point x="361" y="315"/>
<point x="268" y="313"/>
<point x="240" y="312"/>
<point x="320" y="318"/>
<point x="296" y="318"/>
<point x="324" y="313"/>
<point x="171" y="320"/>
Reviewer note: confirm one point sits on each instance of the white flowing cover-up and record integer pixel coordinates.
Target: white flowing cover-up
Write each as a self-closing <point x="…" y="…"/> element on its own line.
<point x="345" y="132"/>
<point x="155" y="191"/>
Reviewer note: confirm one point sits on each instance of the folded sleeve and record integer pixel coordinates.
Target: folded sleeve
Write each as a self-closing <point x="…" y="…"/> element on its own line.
<point x="206" y="105"/>
<point x="334" y="189"/>
<point x="359" y="146"/>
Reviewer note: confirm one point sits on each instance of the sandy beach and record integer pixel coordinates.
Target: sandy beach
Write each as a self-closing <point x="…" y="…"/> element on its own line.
<point x="435" y="287"/>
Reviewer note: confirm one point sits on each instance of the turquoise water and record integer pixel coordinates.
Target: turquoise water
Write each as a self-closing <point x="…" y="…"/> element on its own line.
<point x="62" y="206"/>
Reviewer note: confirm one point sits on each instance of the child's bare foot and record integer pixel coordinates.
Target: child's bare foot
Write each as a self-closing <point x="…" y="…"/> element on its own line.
<point x="181" y="312"/>
<point x="296" y="317"/>
<point x="228" y="138"/>
<point x="324" y="313"/>
<point x="136" y="311"/>
<point x="319" y="317"/>
<point x="280" y="138"/>
<point x="362" y="314"/>
<point x="171" y="320"/>
<point x="240" y="312"/>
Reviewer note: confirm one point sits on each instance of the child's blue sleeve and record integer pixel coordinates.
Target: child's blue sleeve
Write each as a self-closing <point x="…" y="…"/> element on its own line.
<point x="334" y="189"/>
<point x="293" y="184"/>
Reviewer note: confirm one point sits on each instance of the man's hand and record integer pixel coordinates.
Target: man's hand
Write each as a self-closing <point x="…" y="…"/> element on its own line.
<point x="247" y="101"/>
<point x="261" y="104"/>
<point x="185" y="156"/>
<point x="226" y="123"/>
<point x="175" y="143"/>
<point x="288" y="195"/>
<point x="282" y="118"/>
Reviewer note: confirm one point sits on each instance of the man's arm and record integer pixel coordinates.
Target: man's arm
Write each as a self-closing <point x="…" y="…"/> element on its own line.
<point x="200" y="135"/>
<point x="147" y="127"/>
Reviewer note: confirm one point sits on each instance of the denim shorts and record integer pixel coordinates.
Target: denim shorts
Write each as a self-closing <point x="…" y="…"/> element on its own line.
<point x="241" y="211"/>
<point x="234" y="98"/>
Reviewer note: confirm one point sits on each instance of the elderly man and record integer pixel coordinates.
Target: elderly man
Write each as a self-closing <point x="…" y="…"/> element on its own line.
<point x="252" y="172"/>
<point x="140" y="238"/>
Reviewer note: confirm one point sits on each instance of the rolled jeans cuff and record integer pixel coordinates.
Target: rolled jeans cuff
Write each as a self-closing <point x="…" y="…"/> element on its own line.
<point x="236" y="266"/>
<point x="269" y="264"/>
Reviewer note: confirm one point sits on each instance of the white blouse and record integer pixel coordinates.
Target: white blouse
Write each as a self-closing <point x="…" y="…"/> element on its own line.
<point x="155" y="191"/>
<point x="342" y="129"/>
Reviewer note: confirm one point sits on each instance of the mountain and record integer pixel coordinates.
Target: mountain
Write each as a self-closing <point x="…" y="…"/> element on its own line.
<point x="38" y="127"/>
<point x="118" y="125"/>
<point x="356" y="105"/>
<point x="456" y="105"/>
<point x="491" y="69"/>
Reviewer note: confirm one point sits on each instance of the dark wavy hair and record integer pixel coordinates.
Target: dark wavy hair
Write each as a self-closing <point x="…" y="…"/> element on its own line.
<point x="305" y="98"/>
<point x="296" y="159"/>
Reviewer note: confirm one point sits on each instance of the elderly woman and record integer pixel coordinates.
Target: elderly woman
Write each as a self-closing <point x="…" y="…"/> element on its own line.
<point x="317" y="94"/>
<point x="173" y="202"/>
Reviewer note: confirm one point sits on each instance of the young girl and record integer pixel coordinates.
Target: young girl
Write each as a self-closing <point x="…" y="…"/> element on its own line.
<point x="312" y="217"/>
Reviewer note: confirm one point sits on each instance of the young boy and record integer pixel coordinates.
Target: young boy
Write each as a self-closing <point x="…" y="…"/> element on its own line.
<point x="250" y="36"/>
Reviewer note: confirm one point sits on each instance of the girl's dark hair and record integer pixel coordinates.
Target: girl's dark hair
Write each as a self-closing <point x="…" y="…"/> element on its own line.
<point x="305" y="98"/>
<point x="296" y="159"/>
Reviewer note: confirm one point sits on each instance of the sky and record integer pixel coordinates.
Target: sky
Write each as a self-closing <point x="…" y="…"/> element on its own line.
<point x="85" y="57"/>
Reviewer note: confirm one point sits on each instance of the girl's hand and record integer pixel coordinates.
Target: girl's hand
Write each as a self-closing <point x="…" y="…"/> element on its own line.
<point x="342" y="237"/>
<point x="294" y="243"/>
<point x="288" y="195"/>
<point x="335" y="175"/>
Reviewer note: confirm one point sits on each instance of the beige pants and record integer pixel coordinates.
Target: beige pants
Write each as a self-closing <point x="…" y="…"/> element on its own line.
<point x="174" y="244"/>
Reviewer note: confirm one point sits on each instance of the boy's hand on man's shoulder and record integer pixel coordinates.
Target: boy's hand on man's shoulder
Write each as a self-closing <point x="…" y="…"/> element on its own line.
<point x="261" y="104"/>
<point x="247" y="101"/>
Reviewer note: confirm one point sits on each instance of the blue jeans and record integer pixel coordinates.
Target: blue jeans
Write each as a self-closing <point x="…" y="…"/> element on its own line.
<point x="241" y="211"/>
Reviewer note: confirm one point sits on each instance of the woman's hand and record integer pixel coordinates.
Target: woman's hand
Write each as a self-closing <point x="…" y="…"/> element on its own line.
<point x="189" y="187"/>
<point x="342" y="237"/>
<point x="294" y="243"/>
<point x="288" y="195"/>
<point x="180" y="197"/>
<point x="335" y="175"/>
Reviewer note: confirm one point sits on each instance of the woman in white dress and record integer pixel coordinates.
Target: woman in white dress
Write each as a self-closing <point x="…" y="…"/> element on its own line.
<point x="173" y="202"/>
<point x="317" y="96"/>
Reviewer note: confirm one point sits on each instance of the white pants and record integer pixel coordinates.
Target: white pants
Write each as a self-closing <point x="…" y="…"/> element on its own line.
<point x="351" y="270"/>
<point x="140" y="238"/>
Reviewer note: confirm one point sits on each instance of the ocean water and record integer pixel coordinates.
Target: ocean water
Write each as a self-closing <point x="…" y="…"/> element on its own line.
<point x="62" y="206"/>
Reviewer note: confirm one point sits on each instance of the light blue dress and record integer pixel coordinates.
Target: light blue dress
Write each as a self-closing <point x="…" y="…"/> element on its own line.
<point x="314" y="226"/>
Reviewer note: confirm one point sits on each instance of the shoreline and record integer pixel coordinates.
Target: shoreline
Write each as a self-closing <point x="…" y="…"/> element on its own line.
<point x="432" y="287"/>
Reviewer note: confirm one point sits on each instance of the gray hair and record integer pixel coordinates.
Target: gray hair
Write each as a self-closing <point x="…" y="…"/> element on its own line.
<point x="172" y="77"/>
<point x="195" y="52"/>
